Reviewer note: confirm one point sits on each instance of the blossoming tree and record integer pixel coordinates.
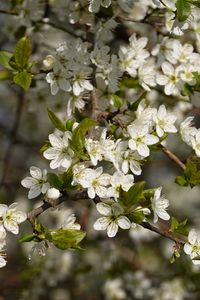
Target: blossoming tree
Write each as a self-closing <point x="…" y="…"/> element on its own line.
<point x="120" y="81"/>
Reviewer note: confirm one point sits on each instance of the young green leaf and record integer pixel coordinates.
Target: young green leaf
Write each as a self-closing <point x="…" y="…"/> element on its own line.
<point x="133" y="196"/>
<point x="23" y="52"/>
<point x="4" y="59"/>
<point x="23" y="79"/>
<point x="183" y="10"/>
<point x="56" y="121"/>
<point x="67" y="238"/>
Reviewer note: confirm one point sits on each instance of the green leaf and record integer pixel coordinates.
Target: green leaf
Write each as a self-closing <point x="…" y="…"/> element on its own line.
<point x="183" y="10"/>
<point x="178" y="227"/>
<point x="180" y="180"/>
<point x="137" y="217"/>
<point x="191" y="175"/>
<point x="4" y="59"/>
<point x="6" y="75"/>
<point x="67" y="178"/>
<point x="78" y="137"/>
<point x="46" y="146"/>
<point x="56" y="121"/>
<point x="133" y="196"/>
<point x="27" y="237"/>
<point x="23" y="52"/>
<point x="67" y="238"/>
<point x="69" y="124"/>
<point x="133" y="106"/>
<point x="23" y="79"/>
<point x="55" y="181"/>
<point x="116" y="101"/>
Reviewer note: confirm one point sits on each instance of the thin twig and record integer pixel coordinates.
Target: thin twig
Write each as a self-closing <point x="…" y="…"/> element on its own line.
<point x="163" y="233"/>
<point x="173" y="157"/>
<point x="32" y="215"/>
<point x="8" y="12"/>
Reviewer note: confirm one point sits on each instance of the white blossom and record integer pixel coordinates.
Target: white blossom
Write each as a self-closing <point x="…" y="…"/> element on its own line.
<point x="37" y="183"/>
<point x="112" y="219"/>
<point x="187" y="130"/>
<point x="141" y="139"/>
<point x="95" y="181"/>
<point x="70" y="223"/>
<point x="195" y="141"/>
<point x="164" y="121"/>
<point x="192" y="248"/>
<point x="11" y="217"/>
<point x="171" y="79"/>
<point x="60" y="153"/>
<point x="120" y="181"/>
<point x="159" y="206"/>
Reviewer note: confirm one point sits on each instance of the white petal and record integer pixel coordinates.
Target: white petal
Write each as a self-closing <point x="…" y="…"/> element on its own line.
<point x="112" y="229"/>
<point x="192" y="236"/>
<point x="3" y="209"/>
<point x="55" y="140"/>
<point x="124" y="222"/>
<point x="34" y="192"/>
<point x="187" y="248"/>
<point x="101" y="223"/>
<point x="163" y="215"/>
<point x="103" y="208"/>
<point x="51" y="153"/>
<point x="11" y="226"/>
<point x="2" y="262"/>
<point x="35" y="172"/>
<point x="143" y="150"/>
<point x="20" y="216"/>
<point x="28" y="182"/>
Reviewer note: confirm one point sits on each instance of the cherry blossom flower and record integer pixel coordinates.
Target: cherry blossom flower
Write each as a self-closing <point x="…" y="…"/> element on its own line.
<point x="11" y="217"/>
<point x="60" y="153"/>
<point x="187" y="130"/>
<point x="195" y="140"/>
<point x="37" y="183"/>
<point x="141" y="139"/>
<point x="120" y="181"/>
<point x="95" y="181"/>
<point x="70" y="223"/>
<point x="112" y="219"/>
<point x="171" y="79"/>
<point x="192" y="248"/>
<point x="164" y="121"/>
<point x="159" y="206"/>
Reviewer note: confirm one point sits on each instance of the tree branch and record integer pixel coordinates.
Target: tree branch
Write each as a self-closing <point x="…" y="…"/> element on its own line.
<point x="163" y="233"/>
<point x="173" y="157"/>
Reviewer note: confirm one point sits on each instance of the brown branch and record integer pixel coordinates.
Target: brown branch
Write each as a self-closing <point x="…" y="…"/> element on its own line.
<point x="32" y="215"/>
<point x="67" y="196"/>
<point x="8" y="12"/>
<point x="163" y="233"/>
<point x="173" y="157"/>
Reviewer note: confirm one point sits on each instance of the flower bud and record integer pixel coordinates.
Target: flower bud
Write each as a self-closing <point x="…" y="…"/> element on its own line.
<point x="48" y="62"/>
<point x="53" y="194"/>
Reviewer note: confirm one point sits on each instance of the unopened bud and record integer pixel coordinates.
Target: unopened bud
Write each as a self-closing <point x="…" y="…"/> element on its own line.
<point x="53" y="194"/>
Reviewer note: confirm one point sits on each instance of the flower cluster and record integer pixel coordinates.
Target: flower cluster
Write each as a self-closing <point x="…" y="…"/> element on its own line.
<point x="10" y="218"/>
